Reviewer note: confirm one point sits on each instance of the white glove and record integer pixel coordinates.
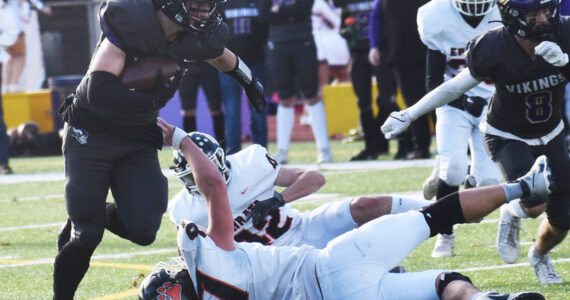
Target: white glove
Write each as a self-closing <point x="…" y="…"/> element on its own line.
<point x="552" y="53"/>
<point x="396" y="123"/>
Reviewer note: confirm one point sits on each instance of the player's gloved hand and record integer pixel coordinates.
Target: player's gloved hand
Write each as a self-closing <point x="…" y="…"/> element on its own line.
<point x="254" y="93"/>
<point x="552" y="53"/>
<point x="265" y="207"/>
<point x="165" y="87"/>
<point x="396" y="123"/>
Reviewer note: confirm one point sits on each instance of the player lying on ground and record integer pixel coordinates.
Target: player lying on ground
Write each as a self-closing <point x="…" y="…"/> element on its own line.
<point x="354" y="265"/>
<point x="263" y="215"/>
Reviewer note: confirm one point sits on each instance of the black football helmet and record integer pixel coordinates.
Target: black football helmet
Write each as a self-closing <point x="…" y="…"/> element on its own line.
<point x="168" y="281"/>
<point x="474" y="8"/>
<point x="513" y="13"/>
<point x="182" y="11"/>
<point x="213" y="151"/>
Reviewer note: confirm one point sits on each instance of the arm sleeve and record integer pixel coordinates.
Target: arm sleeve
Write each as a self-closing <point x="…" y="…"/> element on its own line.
<point x="435" y="67"/>
<point x="445" y="93"/>
<point x="375" y="25"/>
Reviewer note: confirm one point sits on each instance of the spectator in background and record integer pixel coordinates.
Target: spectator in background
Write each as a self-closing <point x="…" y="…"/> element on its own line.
<point x="361" y="72"/>
<point x="404" y="53"/>
<point x="9" y="31"/>
<point x="16" y="58"/>
<point x="247" y="39"/>
<point x="33" y="75"/>
<point x="332" y="50"/>
<point x="204" y="75"/>
<point x="293" y="62"/>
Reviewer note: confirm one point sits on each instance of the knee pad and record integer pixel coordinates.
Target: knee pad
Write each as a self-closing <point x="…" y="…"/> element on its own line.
<point x="443" y="214"/>
<point x="447" y="278"/>
<point x="86" y="235"/>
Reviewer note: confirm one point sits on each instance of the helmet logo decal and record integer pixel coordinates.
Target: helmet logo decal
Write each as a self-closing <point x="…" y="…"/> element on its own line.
<point x="169" y="291"/>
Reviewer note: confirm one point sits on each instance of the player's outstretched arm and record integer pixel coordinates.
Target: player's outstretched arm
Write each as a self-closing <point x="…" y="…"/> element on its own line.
<point x="450" y="90"/>
<point x="209" y="181"/>
<point x="232" y="65"/>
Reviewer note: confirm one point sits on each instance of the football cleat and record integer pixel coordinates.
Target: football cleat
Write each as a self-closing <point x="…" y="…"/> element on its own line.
<point x="537" y="181"/>
<point x="429" y="187"/>
<point x="543" y="267"/>
<point x="508" y="244"/>
<point x="281" y="156"/>
<point x="324" y="156"/>
<point x="444" y="246"/>
<point x="514" y="296"/>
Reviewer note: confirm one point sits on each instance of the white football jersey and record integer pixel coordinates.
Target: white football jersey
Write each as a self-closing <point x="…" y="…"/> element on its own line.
<point x="253" y="175"/>
<point x="250" y="271"/>
<point x="442" y="28"/>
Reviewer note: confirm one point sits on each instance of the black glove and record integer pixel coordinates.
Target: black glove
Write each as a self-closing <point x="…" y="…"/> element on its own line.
<point x="265" y="207"/>
<point x="165" y="88"/>
<point x="254" y="93"/>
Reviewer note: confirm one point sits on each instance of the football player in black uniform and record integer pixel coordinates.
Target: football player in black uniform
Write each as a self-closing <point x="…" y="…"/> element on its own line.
<point x="528" y="61"/>
<point x="111" y="135"/>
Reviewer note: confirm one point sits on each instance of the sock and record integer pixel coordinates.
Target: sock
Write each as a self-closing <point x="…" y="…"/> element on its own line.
<point x="70" y="266"/>
<point x="512" y="190"/>
<point x="515" y="209"/>
<point x="319" y="125"/>
<point x="219" y="129"/>
<point x="402" y="204"/>
<point x="285" y="122"/>
<point x="113" y="222"/>
<point x="189" y="123"/>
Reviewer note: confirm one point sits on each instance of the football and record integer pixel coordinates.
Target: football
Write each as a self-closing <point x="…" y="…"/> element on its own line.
<point x="141" y="75"/>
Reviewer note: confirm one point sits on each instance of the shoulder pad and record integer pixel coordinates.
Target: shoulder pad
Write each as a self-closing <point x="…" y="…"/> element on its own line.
<point x="481" y="54"/>
<point x="130" y="25"/>
<point x="430" y="23"/>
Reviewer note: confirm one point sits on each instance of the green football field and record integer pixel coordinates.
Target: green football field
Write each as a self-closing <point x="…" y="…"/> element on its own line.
<point x="32" y="209"/>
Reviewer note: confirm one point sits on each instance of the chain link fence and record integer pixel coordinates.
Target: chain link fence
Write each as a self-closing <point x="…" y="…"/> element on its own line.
<point x="69" y="36"/>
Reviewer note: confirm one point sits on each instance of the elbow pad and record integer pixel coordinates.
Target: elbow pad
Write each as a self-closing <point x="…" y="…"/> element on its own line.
<point x="104" y="90"/>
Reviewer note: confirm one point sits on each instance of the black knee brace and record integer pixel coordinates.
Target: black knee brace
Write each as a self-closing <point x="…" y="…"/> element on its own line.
<point x="443" y="214"/>
<point x="447" y="278"/>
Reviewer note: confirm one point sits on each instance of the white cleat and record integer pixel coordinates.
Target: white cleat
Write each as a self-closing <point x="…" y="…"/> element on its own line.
<point x="281" y="156"/>
<point x="429" y="187"/>
<point x="444" y="246"/>
<point x="543" y="267"/>
<point x="538" y="180"/>
<point x="508" y="244"/>
<point x="324" y="156"/>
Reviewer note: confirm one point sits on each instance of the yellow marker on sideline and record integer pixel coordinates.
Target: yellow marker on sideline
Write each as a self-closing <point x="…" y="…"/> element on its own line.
<point x="121" y="295"/>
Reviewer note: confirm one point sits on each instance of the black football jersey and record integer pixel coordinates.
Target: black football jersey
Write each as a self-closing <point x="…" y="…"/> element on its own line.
<point x="529" y="92"/>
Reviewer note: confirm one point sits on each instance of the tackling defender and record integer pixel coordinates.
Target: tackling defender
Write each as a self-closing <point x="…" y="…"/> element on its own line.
<point x="528" y="61"/>
<point x="263" y="215"/>
<point x="353" y="266"/>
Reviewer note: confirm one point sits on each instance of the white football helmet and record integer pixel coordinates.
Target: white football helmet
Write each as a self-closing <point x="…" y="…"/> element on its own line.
<point x="474" y="8"/>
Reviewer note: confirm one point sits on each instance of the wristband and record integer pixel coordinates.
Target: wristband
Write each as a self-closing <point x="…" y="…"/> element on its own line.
<point x="177" y="138"/>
